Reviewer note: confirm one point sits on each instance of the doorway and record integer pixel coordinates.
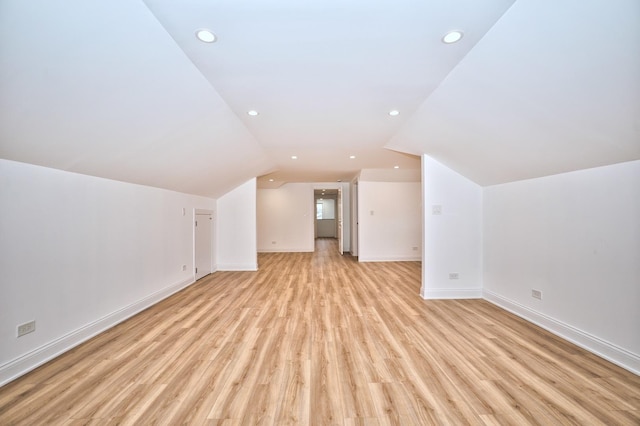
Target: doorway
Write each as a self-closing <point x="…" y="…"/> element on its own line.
<point x="328" y="221"/>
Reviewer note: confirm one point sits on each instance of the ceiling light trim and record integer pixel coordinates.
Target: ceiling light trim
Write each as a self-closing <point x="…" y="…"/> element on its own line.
<point x="206" y="36"/>
<point x="452" y="37"/>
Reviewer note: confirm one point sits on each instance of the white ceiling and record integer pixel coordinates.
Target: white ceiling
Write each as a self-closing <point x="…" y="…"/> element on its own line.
<point x="122" y="89"/>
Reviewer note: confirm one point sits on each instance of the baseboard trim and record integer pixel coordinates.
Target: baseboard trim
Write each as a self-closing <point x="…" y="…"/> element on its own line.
<point x="35" y="358"/>
<point x="286" y="250"/>
<point x="447" y="293"/>
<point x="615" y="354"/>
<point x="230" y="267"/>
<point x="390" y="259"/>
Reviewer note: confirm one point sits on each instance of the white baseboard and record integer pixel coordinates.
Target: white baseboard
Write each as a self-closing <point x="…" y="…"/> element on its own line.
<point x="447" y="293"/>
<point x="237" y="267"/>
<point x="35" y="358"/>
<point x="610" y="352"/>
<point x="390" y="259"/>
<point x="286" y="250"/>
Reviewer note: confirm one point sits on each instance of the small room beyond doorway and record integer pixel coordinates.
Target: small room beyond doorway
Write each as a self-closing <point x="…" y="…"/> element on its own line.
<point x="326" y="215"/>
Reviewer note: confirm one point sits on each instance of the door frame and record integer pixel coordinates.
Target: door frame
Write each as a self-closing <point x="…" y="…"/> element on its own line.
<point x="212" y="236"/>
<point x="341" y="190"/>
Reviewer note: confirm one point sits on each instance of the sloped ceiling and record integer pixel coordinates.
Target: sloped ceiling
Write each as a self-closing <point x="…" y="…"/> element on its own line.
<point x="122" y="89"/>
<point x="552" y="87"/>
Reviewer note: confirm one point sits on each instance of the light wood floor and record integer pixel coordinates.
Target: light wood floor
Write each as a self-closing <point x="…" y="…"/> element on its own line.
<point x="321" y="339"/>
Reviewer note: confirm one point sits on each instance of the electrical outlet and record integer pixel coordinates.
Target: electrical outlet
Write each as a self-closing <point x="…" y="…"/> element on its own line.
<point x="436" y="209"/>
<point x="273" y="242"/>
<point x="536" y="294"/>
<point x="414" y="248"/>
<point x="26" y="328"/>
<point x="454" y="275"/>
<point x="184" y="267"/>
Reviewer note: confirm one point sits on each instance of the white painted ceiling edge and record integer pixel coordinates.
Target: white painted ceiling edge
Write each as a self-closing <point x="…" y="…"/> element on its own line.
<point x="123" y="91"/>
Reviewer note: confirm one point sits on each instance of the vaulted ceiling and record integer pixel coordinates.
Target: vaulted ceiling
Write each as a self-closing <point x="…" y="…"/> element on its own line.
<point x="123" y="89"/>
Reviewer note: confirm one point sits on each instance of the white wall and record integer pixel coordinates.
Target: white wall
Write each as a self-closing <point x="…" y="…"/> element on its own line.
<point x="453" y="238"/>
<point x="285" y="218"/>
<point x="389" y="221"/>
<point x="286" y="215"/>
<point x="576" y="238"/>
<point x="236" y="229"/>
<point x="326" y="228"/>
<point x="79" y="254"/>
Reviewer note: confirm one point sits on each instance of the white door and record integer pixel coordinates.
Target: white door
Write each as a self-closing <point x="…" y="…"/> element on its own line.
<point x="202" y="227"/>
<point x="340" y="227"/>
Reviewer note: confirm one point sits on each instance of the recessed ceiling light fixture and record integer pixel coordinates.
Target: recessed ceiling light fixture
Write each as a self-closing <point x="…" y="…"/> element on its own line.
<point x="253" y="112"/>
<point x="394" y="112"/>
<point x="206" y="36"/>
<point x="452" y="37"/>
<point x="294" y="157"/>
<point x="270" y="180"/>
<point x="396" y="167"/>
<point x="352" y="156"/>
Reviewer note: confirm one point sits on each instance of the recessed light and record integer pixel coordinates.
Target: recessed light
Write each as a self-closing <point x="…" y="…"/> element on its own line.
<point x="253" y="112"/>
<point x="352" y="156"/>
<point x="339" y="180"/>
<point x="452" y="37"/>
<point x="394" y="112"/>
<point x="270" y="180"/>
<point x="206" y="36"/>
<point x="294" y="157"/>
<point x="396" y="167"/>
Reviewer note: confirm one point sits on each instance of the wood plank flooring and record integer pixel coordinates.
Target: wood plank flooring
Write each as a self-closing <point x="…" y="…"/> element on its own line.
<point x="316" y="338"/>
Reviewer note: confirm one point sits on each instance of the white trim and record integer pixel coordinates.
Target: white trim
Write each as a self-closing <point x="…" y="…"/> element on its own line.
<point x="35" y="358"/>
<point x="390" y="259"/>
<point x="237" y="267"/>
<point x="597" y="346"/>
<point x="447" y="293"/>
<point x="288" y="250"/>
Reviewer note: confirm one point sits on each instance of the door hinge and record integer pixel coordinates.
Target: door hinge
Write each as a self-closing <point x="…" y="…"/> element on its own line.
<point x="196" y="223"/>
<point x="196" y="270"/>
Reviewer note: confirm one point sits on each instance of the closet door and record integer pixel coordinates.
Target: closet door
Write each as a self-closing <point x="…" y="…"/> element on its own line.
<point x="202" y="232"/>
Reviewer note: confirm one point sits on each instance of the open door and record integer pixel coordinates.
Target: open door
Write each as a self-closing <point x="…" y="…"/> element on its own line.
<point x="340" y="212"/>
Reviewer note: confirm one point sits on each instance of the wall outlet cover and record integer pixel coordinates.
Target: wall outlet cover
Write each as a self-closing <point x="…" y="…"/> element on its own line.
<point x="26" y="328"/>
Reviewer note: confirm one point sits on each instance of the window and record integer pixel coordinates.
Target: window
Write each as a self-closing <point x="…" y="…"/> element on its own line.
<point x="325" y="209"/>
